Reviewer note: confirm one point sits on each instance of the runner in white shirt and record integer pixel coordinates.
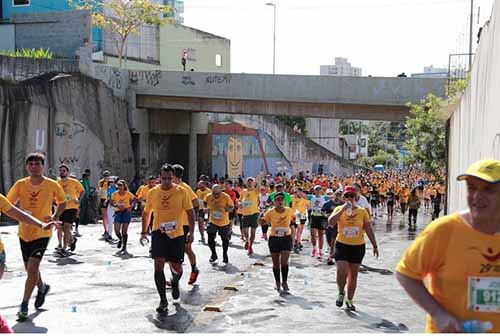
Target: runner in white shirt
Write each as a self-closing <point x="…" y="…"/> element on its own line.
<point x="263" y="205"/>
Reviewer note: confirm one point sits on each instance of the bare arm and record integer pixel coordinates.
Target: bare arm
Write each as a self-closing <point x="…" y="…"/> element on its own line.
<point x="417" y="291"/>
<point x="190" y="216"/>
<point x="21" y="216"/>
<point x="146" y="218"/>
<point x="332" y="220"/>
<point x="371" y="236"/>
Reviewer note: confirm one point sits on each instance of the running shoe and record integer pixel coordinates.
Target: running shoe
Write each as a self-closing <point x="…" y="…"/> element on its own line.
<point x="250" y="250"/>
<point x="213" y="258"/>
<point x="162" y="308"/>
<point x="175" y="289"/>
<point x="40" y="296"/>
<point x="72" y="246"/>
<point x="58" y="248"/>
<point x="63" y="253"/>
<point x="286" y="289"/>
<point x="124" y="251"/>
<point x="192" y="278"/>
<point x="22" y="314"/>
<point x="340" y="300"/>
<point x="349" y="306"/>
<point x="330" y="262"/>
<point x="4" y="327"/>
<point x="313" y="253"/>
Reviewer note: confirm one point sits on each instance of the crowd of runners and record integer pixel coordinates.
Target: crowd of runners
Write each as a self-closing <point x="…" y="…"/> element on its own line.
<point x="338" y="211"/>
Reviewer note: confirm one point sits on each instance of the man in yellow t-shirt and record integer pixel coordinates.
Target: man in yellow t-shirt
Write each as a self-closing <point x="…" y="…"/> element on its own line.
<point x="74" y="191"/>
<point x="201" y="192"/>
<point x="13" y="212"/>
<point x="218" y="205"/>
<point x="35" y="195"/>
<point x="249" y="206"/>
<point x="460" y="256"/>
<point x="169" y="203"/>
<point x="179" y="173"/>
<point x="404" y="194"/>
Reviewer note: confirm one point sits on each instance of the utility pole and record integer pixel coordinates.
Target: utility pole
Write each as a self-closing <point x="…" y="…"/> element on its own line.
<point x="470" y="32"/>
<point x="274" y="36"/>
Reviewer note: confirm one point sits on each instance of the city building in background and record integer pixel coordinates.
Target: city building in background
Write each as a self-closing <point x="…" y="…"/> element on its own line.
<point x="432" y="72"/>
<point x="342" y="67"/>
<point x="164" y="47"/>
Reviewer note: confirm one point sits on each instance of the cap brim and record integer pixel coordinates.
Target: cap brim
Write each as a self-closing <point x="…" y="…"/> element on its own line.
<point x="480" y="176"/>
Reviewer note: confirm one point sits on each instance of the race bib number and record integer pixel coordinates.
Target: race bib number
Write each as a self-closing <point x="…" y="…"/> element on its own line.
<point x="247" y="204"/>
<point x="168" y="227"/>
<point x="217" y="214"/>
<point x="484" y="294"/>
<point x="68" y="197"/>
<point x="351" y="231"/>
<point x="281" y="231"/>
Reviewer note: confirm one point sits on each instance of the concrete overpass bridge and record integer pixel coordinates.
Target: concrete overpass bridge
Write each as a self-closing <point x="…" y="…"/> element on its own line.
<point x="168" y="110"/>
<point x="363" y="98"/>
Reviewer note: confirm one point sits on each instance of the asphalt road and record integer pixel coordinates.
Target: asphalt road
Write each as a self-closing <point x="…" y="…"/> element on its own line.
<point x="97" y="290"/>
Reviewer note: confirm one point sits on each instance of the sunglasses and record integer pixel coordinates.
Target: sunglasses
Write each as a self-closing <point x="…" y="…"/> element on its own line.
<point x="349" y="195"/>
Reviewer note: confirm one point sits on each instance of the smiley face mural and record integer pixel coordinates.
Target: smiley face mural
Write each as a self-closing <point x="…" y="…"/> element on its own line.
<point x="234" y="157"/>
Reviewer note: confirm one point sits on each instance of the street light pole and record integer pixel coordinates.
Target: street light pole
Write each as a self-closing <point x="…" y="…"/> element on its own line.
<point x="274" y="36"/>
<point x="470" y="32"/>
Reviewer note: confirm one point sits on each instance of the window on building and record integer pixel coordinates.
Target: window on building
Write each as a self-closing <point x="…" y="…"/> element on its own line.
<point x="21" y="2"/>
<point x="218" y="60"/>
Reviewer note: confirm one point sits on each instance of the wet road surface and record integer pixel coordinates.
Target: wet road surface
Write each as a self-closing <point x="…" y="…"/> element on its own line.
<point x="96" y="290"/>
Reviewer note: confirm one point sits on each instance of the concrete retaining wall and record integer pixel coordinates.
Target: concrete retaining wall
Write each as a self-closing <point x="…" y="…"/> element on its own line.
<point x="18" y="68"/>
<point x="74" y="120"/>
<point x="475" y="124"/>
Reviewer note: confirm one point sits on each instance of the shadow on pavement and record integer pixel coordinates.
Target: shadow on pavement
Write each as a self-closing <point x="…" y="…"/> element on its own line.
<point x="192" y="297"/>
<point x="228" y="268"/>
<point x="65" y="261"/>
<point x="288" y="298"/>
<point x="365" y="269"/>
<point x="178" y="322"/>
<point x="125" y="256"/>
<point x="377" y="323"/>
<point x="29" y="327"/>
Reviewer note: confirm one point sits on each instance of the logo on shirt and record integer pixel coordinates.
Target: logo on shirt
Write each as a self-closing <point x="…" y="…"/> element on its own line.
<point x="165" y="201"/>
<point x="489" y="256"/>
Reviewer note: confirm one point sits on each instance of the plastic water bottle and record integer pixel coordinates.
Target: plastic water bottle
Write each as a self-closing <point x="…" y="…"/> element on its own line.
<point x="73" y="308"/>
<point x="349" y="209"/>
<point x="477" y="327"/>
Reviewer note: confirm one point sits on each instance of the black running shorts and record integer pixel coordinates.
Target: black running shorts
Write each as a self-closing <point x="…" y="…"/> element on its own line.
<point x="250" y="221"/>
<point x="34" y="249"/>
<point x="280" y="244"/>
<point x="68" y="216"/>
<point x="162" y="246"/>
<point x="318" y="222"/>
<point x="223" y="231"/>
<point x="353" y="254"/>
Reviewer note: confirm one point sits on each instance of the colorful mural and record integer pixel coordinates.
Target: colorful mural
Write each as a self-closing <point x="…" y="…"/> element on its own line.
<point x="238" y="150"/>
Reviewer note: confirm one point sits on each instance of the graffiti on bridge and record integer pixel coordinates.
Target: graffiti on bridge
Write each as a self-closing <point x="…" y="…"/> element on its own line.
<point x="152" y="78"/>
<point x="219" y="79"/>
<point x="63" y="129"/>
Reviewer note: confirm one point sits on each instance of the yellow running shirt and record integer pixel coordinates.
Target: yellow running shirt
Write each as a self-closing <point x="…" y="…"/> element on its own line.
<point x="72" y="188"/>
<point x="37" y="201"/>
<point x="351" y="229"/>
<point x="280" y="222"/>
<point x="169" y="208"/>
<point x="202" y="194"/>
<point x="192" y="196"/>
<point x="463" y="266"/>
<point x="249" y="201"/>
<point x="125" y="199"/>
<point x="217" y="207"/>
<point x="5" y="206"/>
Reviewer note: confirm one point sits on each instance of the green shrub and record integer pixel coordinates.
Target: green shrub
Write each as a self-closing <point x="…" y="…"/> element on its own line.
<point x="29" y="53"/>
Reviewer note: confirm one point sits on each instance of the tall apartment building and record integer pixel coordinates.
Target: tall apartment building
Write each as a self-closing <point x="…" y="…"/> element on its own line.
<point x="342" y="67"/>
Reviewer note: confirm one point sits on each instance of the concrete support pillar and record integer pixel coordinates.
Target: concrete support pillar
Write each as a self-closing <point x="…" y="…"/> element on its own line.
<point x="193" y="150"/>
